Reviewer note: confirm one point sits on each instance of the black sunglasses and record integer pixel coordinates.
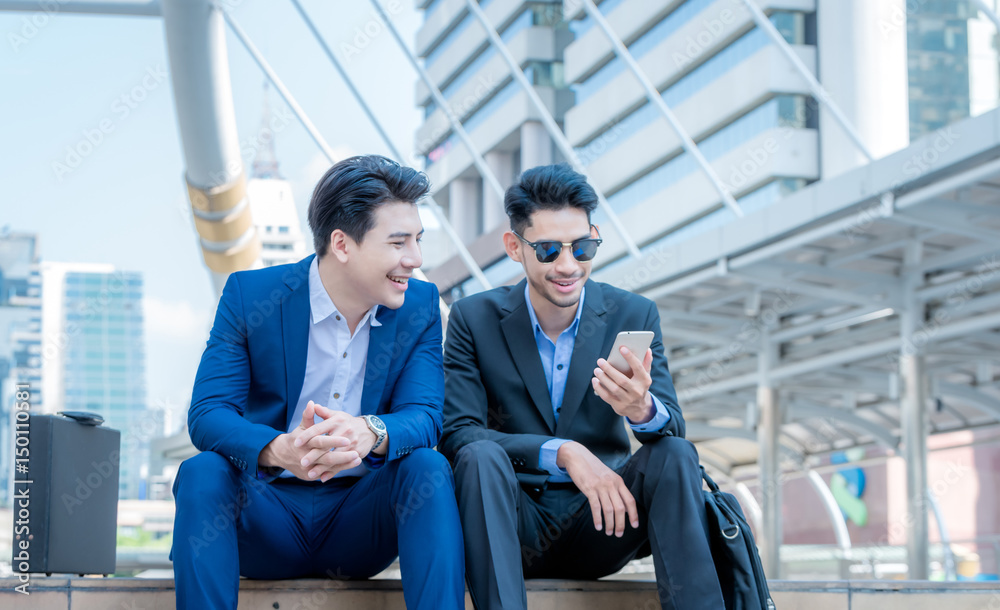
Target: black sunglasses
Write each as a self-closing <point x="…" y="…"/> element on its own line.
<point x="584" y="249"/>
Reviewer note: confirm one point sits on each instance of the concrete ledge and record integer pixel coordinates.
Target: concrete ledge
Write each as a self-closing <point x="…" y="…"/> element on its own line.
<point x="158" y="594"/>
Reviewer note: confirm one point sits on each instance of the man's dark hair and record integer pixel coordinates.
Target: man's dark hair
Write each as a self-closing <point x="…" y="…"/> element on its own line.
<point x="349" y="192"/>
<point x="548" y="187"/>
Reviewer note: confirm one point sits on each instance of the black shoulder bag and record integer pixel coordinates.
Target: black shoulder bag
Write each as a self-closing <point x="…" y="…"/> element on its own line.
<point x="734" y="551"/>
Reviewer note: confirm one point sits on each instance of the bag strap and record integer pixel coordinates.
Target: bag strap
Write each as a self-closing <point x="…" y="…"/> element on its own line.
<point x="708" y="480"/>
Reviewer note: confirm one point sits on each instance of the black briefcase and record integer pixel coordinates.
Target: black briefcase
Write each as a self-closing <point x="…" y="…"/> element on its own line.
<point x="65" y="495"/>
<point x="734" y="552"/>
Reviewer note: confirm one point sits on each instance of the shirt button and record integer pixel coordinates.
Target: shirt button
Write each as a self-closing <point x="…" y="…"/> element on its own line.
<point x="338" y="317"/>
<point x="560" y="367"/>
<point x="558" y="409"/>
<point x="336" y="395"/>
<point x="345" y="355"/>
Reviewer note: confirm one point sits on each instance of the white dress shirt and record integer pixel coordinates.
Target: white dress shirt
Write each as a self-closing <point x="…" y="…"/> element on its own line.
<point x="335" y="362"/>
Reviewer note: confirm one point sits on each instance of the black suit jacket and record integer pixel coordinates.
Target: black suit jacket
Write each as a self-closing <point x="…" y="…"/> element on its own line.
<point x="495" y="386"/>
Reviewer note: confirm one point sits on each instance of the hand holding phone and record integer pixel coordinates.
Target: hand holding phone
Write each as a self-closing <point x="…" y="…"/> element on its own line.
<point x="637" y="341"/>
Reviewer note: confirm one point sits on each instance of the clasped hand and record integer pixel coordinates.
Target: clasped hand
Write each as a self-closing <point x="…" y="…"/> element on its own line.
<point x="319" y="450"/>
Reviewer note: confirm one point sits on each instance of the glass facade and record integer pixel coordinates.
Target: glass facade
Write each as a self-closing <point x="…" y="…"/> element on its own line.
<point x="938" y="57"/>
<point x="952" y="64"/>
<point x="104" y="363"/>
<point x="20" y="338"/>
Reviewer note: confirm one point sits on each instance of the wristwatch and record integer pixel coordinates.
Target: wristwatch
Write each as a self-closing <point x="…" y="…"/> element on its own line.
<point x="375" y="425"/>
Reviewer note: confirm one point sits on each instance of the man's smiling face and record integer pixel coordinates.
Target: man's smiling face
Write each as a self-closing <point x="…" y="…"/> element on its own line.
<point x="380" y="267"/>
<point x="559" y="282"/>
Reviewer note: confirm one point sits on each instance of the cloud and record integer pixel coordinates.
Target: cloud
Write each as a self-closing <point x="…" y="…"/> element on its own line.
<point x="175" y="321"/>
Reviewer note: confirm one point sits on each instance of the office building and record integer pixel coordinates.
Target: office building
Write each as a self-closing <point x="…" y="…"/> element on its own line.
<point x="20" y="328"/>
<point x="94" y="357"/>
<point x="494" y="110"/>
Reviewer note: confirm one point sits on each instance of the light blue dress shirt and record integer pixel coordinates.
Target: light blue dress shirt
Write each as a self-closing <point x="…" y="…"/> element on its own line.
<point x="335" y="361"/>
<point x="555" y="362"/>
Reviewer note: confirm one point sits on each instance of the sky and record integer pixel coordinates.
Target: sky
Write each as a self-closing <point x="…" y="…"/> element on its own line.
<point x="62" y="81"/>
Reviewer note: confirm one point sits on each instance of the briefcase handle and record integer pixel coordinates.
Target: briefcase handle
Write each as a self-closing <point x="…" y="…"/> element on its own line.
<point x="83" y="417"/>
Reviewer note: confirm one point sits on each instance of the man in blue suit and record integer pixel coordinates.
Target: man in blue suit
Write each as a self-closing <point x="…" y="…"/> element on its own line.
<point x="316" y="405"/>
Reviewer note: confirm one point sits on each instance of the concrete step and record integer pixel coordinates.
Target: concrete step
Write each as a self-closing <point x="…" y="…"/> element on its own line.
<point x="158" y="594"/>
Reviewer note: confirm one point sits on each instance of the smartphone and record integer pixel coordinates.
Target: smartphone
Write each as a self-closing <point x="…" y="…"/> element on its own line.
<point x="637" y="341"/>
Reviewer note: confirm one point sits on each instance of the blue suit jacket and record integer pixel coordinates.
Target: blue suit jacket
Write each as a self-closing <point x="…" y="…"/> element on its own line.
<point x="252" y="370"/>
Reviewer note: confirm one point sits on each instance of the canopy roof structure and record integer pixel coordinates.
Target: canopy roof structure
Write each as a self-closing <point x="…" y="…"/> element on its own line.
<point x="821" y="279"/>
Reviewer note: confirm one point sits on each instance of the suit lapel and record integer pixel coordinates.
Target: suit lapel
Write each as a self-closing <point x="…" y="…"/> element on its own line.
<point x="380" y="350"/>
<point x="295" y="333"/>
<point x="586" y="350"/>
<point x="520" y="338"/>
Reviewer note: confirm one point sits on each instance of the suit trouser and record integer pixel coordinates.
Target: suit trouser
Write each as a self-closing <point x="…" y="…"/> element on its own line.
<point x="228" y="524"/>
<point x="511" y="534"/>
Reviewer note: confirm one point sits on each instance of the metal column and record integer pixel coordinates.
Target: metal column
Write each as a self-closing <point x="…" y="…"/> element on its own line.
<point x="914" y="417"/>
<point x="768" y="433"/>
<point x="501" y="163"/>
<point x="752" y="507"/>
<point x="837" y="521"/>
<point x="950" y="566"/>
<point x="536" y="147"/>
<point x="203" y="96"/>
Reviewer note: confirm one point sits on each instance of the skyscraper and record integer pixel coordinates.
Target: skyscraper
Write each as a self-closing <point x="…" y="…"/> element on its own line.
<point x="20" y="327"/>
<point x="94" y="356"/>
<point x="953" y="64"/>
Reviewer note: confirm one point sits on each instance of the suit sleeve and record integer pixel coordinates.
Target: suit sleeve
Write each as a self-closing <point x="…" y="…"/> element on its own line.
<point x="414" y="417"/>
<point x="663" y="385"/>
<point x="466" y="410"/>
<point x="215" y="420"/>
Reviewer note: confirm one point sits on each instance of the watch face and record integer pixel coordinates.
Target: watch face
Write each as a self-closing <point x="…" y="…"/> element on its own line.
<point x="376" y="423"/>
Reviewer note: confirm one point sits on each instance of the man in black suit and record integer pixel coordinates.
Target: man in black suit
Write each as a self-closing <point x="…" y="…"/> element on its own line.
<point x="533" y="412"/>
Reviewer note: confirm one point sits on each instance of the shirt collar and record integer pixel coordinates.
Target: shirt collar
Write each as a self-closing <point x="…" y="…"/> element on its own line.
<point x="534" y="318"/>
<point x="321" y="305"/>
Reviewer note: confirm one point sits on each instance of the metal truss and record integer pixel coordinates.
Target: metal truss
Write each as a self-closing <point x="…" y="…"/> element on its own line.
<point x="272" y="76"/>
<point x="656" y="100"/>
<point x="558" y="137"/>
